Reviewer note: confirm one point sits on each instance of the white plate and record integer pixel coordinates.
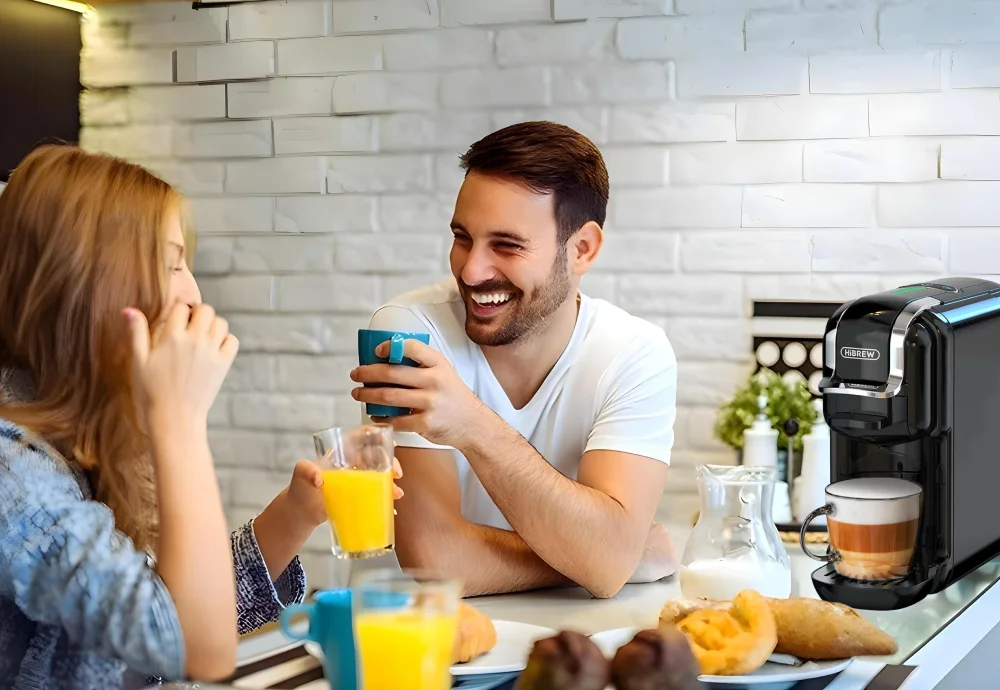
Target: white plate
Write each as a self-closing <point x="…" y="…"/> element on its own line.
<point x="769" y="674"/>
<point x="510" y="655"/>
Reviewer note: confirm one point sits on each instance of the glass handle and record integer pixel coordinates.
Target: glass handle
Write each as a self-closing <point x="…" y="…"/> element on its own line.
<point x="833" y="555"/>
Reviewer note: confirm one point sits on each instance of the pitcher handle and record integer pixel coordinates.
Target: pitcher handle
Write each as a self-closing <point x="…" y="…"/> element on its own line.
<point x="830" y="557"/>
<point x="286" y="620"/>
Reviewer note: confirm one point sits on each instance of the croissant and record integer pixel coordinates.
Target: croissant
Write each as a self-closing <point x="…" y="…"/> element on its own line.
<point x="476" y="635"/>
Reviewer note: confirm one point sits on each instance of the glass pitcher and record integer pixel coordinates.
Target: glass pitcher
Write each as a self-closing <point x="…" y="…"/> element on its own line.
<point x="735" y="545"/>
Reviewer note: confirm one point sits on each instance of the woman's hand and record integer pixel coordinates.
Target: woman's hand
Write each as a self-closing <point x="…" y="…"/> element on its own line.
<point x="179" y="368"/>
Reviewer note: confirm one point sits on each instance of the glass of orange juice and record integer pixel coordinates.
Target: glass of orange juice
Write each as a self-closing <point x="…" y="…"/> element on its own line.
<point x="357" y="488"/>
<point x="405" y="625"/>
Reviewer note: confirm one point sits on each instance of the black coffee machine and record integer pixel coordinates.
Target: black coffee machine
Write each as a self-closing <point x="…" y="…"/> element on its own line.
<point x="911" y="389"/>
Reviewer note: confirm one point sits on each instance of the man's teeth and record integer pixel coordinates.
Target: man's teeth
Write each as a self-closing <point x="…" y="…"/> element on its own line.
<point x="490" y="298"/>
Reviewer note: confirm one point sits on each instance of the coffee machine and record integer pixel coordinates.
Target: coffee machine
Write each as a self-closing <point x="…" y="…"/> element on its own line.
<point x="911" y="389"/>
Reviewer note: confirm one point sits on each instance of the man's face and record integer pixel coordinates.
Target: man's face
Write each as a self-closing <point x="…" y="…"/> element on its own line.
<point x="512" y="273"/>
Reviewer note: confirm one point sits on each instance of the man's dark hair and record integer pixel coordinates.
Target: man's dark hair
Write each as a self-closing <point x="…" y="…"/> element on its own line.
<point x="547" y="158"/>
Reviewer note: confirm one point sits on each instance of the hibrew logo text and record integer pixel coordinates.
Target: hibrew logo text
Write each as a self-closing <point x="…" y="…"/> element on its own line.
<point x="859" y="353"/>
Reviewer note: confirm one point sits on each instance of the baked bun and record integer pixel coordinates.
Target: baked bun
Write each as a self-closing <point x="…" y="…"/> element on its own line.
<point x="476" y="635"/>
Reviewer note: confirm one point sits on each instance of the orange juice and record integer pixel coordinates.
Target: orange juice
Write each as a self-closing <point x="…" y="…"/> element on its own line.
<point x="359" y="505"/>
<point x="406" y="649"/>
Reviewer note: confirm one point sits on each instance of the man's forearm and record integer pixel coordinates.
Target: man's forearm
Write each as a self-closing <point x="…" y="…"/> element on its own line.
<point x="501" y="562"/>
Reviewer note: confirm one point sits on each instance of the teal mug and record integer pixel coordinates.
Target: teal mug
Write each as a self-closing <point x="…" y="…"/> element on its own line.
<point x="368" y="340"/>
<point x="331" y="626"/>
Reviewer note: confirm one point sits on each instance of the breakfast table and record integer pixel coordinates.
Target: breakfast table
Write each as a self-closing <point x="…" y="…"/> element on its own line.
<point x="947" y="641"/>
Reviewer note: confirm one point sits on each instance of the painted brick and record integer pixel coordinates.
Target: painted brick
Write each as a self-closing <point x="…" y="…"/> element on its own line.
<point x="938" y="22"/>
<point x="214" y="256"/>
<point x="696" y="339"/>
<point x="325" y="214"/>
<point x="730" y="6"/>
<point x="637" y="166"/>
<point x="242" y="449"/>
<point x="163" y="103"/>
<point x="806" y="117"/>
<point x="325" y="135"/>
<point x="871" y="160"/>
<point x="126" y="67"/>
<point x="416" y="212"/>
<point x="736" y="163"/>
<point x="972" y="158"/>
<point x="587" y="120"/>
<point x="104" y="107"/>
<point x="219" y="415"/>
<point x="237" y="293"/>
<point x="563" y="10"/>
<point x="224" y="139"/>
<point x="939" y="204"/>
<point x="334" y="55"/>
<point x="378" y="174"/>
<point x="955" y="112"/>
<point x="742" y="75"/>
<point x="433" y="50"/>
<point x="128" y="13"/>
<point x="233" y="215"/>
<point x="707" y="383"/>
<point x="638" y="251"/>
<point x="389" y="253"/>
<point x="846" y="4"/>
<point x="192" y="179"/>
<point x="808" y="206"/>
<point x="284" y="19"/>
<point x="495" y="88"/>
<point x="870" y="252"/>
<point x="745" y="251"/>
<point x="281" y="254"/>
<point x="298" y="333"/>
<point x="251" y="372"/>
<point x="363" y="16"/>
<point x="303" y="175"/>
<point x="975" y="67"/>
<point x="311" y="374"/>
<point x="600" y="286"/>
<point x="875" y="72"/>
<point x="132" y="142"/>
<point x="432" y="131"/>
<point x="681" y="295"/>
<point x="679" y="207"/>
<point x="659" y="38"/>
<point x="278" y="411"/>
<point x="384" y="92"/>
<point x="281" y="96"/>
<point x="328" y="293"/>
<point x="639" y="82"/>
<point x="810" y="32"/>
<point x="394" y="285"/>
<point x="250" y="60"/>
<point x="295" y="447"/>
<point x="471" y="12"/>
<point x="676" y="122"/>
<point x="822" y="287"/>
<point x="448" y="174"/>
<point x="183" y="25"/>
<point x="555" y="43"/>
<point x="975" y="251"/>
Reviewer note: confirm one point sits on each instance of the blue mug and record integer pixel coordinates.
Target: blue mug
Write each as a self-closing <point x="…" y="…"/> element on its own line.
<point x="368" y="340"/>
<point x="331" y="626"/>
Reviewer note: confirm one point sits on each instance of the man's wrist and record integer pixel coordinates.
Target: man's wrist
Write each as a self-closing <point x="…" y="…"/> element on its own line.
<point x="480" y="432"/>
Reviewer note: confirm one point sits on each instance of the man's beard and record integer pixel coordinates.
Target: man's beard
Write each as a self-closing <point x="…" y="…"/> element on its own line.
<point x="526" y="314"/>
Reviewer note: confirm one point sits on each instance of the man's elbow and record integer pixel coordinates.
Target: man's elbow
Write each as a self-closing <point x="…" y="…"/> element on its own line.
<point x="605" y="585"/>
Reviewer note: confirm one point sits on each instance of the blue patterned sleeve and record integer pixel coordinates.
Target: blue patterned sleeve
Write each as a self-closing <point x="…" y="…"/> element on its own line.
<point x="258" y="600"/>
<point x="63" y="563"/>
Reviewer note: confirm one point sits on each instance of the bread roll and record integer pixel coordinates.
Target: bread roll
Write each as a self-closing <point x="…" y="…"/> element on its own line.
<point x="656" y="660"/>
<point x="476" y="635"/>
<point x="568" y="661"/>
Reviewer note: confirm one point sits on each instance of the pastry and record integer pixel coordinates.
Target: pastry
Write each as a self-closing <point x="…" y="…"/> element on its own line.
<point x="476" y="634"/>
<point x="568" y="661"/>
<point x="656" y="660"/>
<point x="807" y="628"/>
<point x="733" y="641"/>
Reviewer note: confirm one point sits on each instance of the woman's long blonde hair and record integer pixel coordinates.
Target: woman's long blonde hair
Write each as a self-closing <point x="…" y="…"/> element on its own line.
<point x="81" y="238"/>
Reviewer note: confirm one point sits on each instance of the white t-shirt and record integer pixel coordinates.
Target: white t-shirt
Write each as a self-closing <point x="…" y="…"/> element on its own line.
<point x="613" y="388"/>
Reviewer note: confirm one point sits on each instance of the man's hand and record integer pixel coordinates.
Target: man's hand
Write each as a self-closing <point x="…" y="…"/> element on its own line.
<point x="659" y="560"/>
<point x="443" y="409"/>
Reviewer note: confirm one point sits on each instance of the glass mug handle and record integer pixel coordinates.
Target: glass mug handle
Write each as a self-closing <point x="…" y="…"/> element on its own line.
<point x="834" y="555"/>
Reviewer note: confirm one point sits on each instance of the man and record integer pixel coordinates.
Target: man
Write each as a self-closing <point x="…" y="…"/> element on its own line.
<point x="541" y="420"/>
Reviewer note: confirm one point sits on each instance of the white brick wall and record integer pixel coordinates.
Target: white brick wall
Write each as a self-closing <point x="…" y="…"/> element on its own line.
<point x="806" y="149"/>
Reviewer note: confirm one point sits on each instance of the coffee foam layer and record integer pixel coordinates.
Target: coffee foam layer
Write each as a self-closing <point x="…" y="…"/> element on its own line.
<point x="877" y="512"/>
<point x="874" y="488"/>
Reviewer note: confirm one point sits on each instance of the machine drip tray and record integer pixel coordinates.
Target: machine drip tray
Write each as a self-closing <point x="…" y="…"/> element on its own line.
<point x="873" y="596"/>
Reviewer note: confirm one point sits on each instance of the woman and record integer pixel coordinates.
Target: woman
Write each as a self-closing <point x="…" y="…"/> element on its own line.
<point x="104" y="456"/>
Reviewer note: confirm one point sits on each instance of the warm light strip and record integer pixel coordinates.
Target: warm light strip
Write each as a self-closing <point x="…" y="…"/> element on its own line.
<point x="80" y="7"/>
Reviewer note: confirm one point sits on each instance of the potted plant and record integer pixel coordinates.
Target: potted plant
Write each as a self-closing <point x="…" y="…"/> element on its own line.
<point x="784" y="401"/>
